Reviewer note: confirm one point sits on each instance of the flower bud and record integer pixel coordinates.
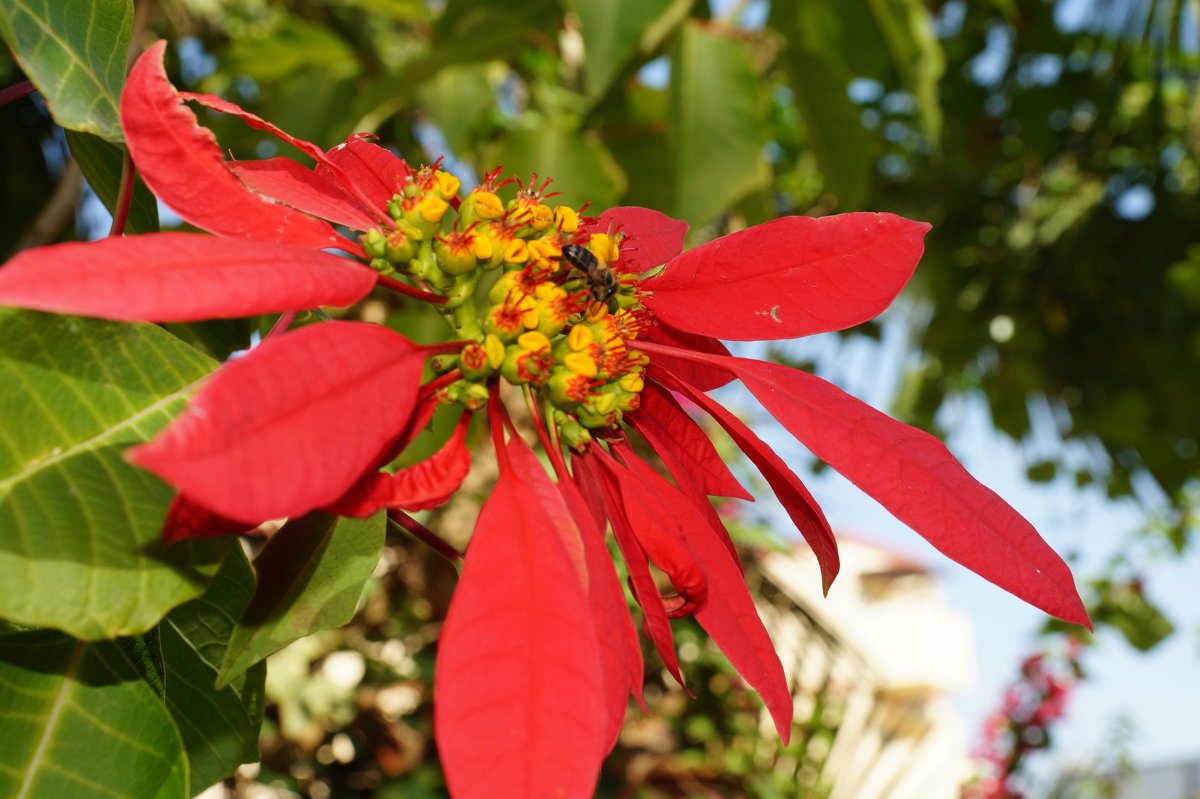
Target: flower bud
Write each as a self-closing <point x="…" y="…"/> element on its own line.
<point x="473" y="362"/>
<point x="454" y="260"/>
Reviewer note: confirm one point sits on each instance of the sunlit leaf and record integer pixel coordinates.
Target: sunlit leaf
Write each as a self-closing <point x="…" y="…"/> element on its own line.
<point x="291" y="425"/>
<point x="655" y="623"/>
<point x="182" y="164"/>
<point x="518" y="710"/>
<point x="795" y="497"/>
<point x="179" y="277"/>
<point x="620" y="653"/>
<point x="651" y="238"/>
<point x="77" y="720"/>
<point x="79" y="527"/>
<point x="422" y="486"/>
<point x="791" y="277"/>
<point x="676" y="436"/>
<point x="915" y="477"/>
<point x="727" y="613"/>
<point x="74" y="52"/>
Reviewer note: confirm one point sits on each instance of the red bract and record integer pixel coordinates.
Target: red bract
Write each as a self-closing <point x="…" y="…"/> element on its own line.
<point x="539" y="655"/>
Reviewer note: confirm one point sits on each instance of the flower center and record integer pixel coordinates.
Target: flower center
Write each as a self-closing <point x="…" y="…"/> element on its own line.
<point x="555" y="312"/>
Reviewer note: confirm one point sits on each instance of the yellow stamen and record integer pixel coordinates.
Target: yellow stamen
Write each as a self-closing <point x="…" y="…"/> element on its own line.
<point x="487" y="204"/>
<point x="495" y="350"/>
<point x="432" y="209"/>
<point x="581" y="364"/>
<point x="566" y="219"/>
<point x="448" y="185"/>
<point x="580" y="338"/>
<point x="533" y="341"/>
<point x="516" y="252"/>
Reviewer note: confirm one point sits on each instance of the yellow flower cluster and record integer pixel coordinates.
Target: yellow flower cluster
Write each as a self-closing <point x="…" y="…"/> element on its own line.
<point x="553" y="321"/>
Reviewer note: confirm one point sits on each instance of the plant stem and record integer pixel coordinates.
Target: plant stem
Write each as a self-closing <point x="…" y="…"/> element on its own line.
<point x="425" y="535"/>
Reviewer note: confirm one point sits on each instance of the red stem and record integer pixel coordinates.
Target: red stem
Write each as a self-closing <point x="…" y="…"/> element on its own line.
<point x="16" y="92"/>
<point x="124" y="195"/>
<point x="680" y="352"/>
<point x="281" y="324"/>
<point x="445" y="347"/>
<point x="438" y="383"/>
<point x="410" y="291"/>
<point x="552" y="451"/>
<point x="425" y="535"/>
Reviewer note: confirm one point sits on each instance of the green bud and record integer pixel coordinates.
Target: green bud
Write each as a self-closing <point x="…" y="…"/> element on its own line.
<point x="373" y="242"/>
<point x="454" y="263"/>
<point x="573" y="433"/>
<point x="560" y="387"/>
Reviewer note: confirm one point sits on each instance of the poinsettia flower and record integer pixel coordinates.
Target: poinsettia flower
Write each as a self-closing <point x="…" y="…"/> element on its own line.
<point x="605" y="325"/>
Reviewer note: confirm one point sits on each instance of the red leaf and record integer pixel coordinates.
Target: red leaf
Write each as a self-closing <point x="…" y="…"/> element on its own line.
<point x="699" y="375"/>
<point x="655" y="623"/>
<point x="179" y="277"/>
<point x="677" y="438"/>
<point x="187" y="519"/>
<point x="661" y="541"/>
<point x="653" y="238"/>
<point x="326" y="166"/>
<point x="255" y="121"/>
<point x="290" y="426"/>
<point x="914" y="476"/>
<point x="620" y="654"/>
<point x="182" y="164"/>
<point x="422" y="486"/>
<point x="376" y="172"/>
<point x="795" y="498"/>
<point x="729" y="615"/>
<point x="287" y="181"/>
<point x="789" y="277"/>
<point x="518" y="711"/>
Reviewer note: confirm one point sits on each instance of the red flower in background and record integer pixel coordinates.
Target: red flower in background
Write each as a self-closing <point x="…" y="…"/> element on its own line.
<point x="539" y="655"/>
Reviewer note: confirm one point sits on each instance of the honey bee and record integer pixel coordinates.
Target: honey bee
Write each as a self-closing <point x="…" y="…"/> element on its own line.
<point x="602" y="283"/>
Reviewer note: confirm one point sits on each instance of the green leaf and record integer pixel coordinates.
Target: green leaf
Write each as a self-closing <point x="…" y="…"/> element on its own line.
<point x="845" y="151"/>
<point x="482" y="30"/>
<point x="74" y="52"/>
<point x="144" y="653"/>
<point x="717" y="124"/>
<point x="401" y="10"/>
<point x="219" y="727"/>
<point x="291" y="45"/>
<point x="1143" y="625"/>
<point x="613" y="30"/>
<point x="77" y="721"/>
<point x="310" y="577"/>
<point x="907" y="28"/>
<point x="79" y="527"/>
<point x="458" y="99"/>
<point x="101" y="163"/>
<point x="581" y="166"/>
<point x="634" y="124"/>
